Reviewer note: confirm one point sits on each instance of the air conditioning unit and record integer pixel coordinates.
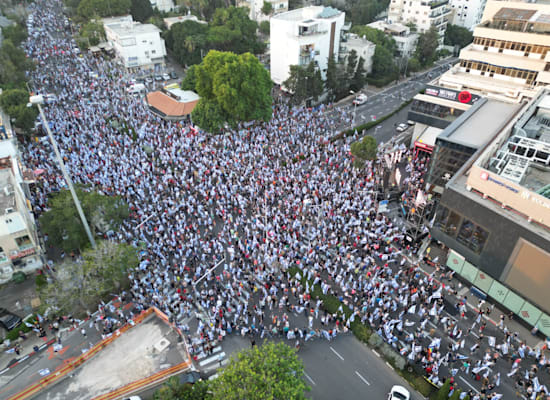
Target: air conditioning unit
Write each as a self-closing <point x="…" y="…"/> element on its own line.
<point x="9" y="210"/>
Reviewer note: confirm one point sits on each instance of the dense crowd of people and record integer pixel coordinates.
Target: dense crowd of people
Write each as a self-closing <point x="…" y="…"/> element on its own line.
<point x="233" y="223"/>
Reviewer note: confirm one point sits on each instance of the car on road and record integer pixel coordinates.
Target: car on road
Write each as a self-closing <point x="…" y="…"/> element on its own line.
<point x="166" y="77"/>
<point x="401" y="127"/>
<point x="360" y="99"/>
<point x="149" y="79"/>
<point x="8" y="319"/>
<point x="158" y="78"/>
<point x="399" y="393"/>
<point x="173" y="75"/>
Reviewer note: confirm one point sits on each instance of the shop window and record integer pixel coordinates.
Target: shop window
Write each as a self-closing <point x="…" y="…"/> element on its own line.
<point x="442" y="216"/>
<point x="23" y="241"/>
<point x="478" y="239"/>
<point x="452" y="224"/>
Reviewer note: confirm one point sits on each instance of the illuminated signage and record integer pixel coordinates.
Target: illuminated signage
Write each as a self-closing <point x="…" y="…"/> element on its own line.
<point x="464" y="96"/>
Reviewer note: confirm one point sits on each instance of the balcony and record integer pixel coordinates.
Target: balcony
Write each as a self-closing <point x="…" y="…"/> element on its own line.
<point x="515" y="26"/>
<point x="304" y="60"/>
<point x="435" y="4"/>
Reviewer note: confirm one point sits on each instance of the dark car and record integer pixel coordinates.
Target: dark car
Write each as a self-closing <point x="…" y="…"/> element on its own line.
<point x="158" y="78"/>
<point x="8" y="320"/>
<point x="173" y="75"/>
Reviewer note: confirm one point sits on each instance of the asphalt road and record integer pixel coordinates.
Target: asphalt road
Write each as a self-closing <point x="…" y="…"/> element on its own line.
<point x="345" y="368"/>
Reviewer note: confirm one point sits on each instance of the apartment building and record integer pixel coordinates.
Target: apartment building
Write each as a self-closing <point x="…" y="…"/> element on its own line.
<point x="494" y="214"/>
<point x="363" y="48"/>
<point x="424" y="14"/>
<point x="467" y="13"/>
<point x="138" y="46"/>
<point x="255" y="7"/>
<point x="303" y="35"/>
<point x="404" y="38"/>
<point x="508" y="59"/>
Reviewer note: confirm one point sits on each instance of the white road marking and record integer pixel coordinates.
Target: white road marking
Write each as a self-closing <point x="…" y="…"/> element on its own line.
<point x="212" y="359"/>
<point x="309" y="378"/>
<point x="389" y="365"/>
<point x="363" y="379"/>
<point x="467" y="383"/>
<point x="335" y="352"/>
<point x="375" y="352"/>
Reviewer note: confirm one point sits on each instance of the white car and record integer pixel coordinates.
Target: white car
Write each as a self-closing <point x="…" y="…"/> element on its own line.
<point x="166" y="77"/>
<point x="360" y="99"/>
<point x="399" y="393"/>
<point x="401" y="127"/>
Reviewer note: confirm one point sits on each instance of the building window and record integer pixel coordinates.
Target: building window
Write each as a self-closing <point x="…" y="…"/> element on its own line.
<point x="472" y="236"/>
<point x="23" y="241"/>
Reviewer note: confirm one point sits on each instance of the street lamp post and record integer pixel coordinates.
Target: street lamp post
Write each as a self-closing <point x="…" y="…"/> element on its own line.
<point x="354" y="109"/>
<point x="38" y="101"/>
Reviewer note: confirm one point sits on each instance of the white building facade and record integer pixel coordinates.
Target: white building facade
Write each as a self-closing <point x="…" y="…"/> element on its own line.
<point x="255" y="7"/>
<point x="162" y="5"/>
<point x="467" y="13"/>
<point x="362" y="47"/>
<point x="404" y="38"/>
<point x="423" y="13"/>
<point x="138" y="46"/>
<point x="303" y="35"/>
<point x="20" y="248"/>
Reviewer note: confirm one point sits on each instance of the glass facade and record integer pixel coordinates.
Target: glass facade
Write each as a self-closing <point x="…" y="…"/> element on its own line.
<point x="460" y="228"/>
<point x="447" y="159"/>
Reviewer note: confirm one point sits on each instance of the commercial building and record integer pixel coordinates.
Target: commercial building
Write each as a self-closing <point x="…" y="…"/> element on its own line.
<point x="303" y="35"/>
<point x="467" y="13"/>
<point x="20" y="248"/>
<point x="255" y="7"/>
<point x="494" y="214"/>
<point x="404" y="38"/>
<point x="138" y="46"/>
<point x="425" y="14"/>
<point x="181" y="18"/>
<point x="362" y="47"/>
<point x="508" y="59"/>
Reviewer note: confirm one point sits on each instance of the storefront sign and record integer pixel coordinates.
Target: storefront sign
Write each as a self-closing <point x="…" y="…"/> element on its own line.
<point x="464" y="96"/>
<point x="527" y="196"/>
<point x="23" y="253"/>
<point x="486" y="177"/>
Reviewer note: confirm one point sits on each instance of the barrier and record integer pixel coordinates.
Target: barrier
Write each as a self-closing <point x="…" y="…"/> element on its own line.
<point x="60" y="373"/>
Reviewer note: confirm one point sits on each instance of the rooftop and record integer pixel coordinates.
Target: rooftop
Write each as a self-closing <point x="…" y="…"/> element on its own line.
<point x="139" y="353"/>
<point x="181" y="18"/>
<point x="357" y="41"/>
<point x="7" y="197"/>
<point x="172" y="103"/>
<point x="308" y="13"/>
<point x="125" y="26"/>
<point x="476" y="127"/>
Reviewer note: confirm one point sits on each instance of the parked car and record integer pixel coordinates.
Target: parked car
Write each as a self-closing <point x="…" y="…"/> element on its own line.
<point x="9" y="320"/>
<point x="401" y="127"/>
<point x="173" y="75"/>
<point x="158" y="78"/>
<point x="360" y="99"/>
<point x="149" y="79"/>
<point x="166" y="77"/>
<point x="399" y="393"/>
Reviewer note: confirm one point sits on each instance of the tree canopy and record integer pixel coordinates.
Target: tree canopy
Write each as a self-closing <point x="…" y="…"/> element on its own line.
<point x="62" y="223"/>
<point x="304" y="82"/>
<point x="141" y="10"/>
<point x="103" y="8"/>
<point x="13" y="64"/>
<point x="458" y="36"/>
<point x="376" y="36"/>
<point x="365" y="149"/>
<point x="229" y="30"/>
<point x="14" y="102"/>
<point x="426" y="47"/>
<point x="232" y="88"/>
<point x="172" y="389"/>
<point x="81" y="285"/>
<point x="268" y="372"/>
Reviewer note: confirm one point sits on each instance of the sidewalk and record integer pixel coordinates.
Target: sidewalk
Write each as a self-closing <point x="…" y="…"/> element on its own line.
<point x="463" y="289"/>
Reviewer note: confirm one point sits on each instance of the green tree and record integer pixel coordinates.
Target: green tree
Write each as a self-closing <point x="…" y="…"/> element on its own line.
<point x="265" y="27"/>
<point x="232" y="30"/>
<point x="13" y="64"/>
<point x="238" y="85"/>
<point x="331" y="81"/>
<point x="455" y="395"/>
<point x="358" y="79"/>
<point x="189" y="82"/>
<point x="14" y="103"/>
<point x="209" y="116"/>
<point x="187" y="40"/>
<point x="383" y="65"/>
<point x="81" y="285"/>
<point x="172" y="389"/>
<point x="412" y="26"/>
<point x="268" y="372"/>
<point x="458" y="36"/>
<point x="16" y="33"/>
<point x="304" y="83"/>
<point x="426" y="47"/>
<point x="443" y="392"/>
<point x="378" y="37"/>
<point x="88" y="9"/>
<point x="351" y="64"/>
<point x="365" y="149"/>
<point x="141" y="10"/>
<point x="93" y="32"/>
<point x="413" y="65"/>
<point x="62" y="222"/>
<point x="267" y="8"/>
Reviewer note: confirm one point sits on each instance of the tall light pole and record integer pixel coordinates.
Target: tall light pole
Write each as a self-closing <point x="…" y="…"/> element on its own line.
<point x="354" y="109"/>
<point x="38" y="101"/>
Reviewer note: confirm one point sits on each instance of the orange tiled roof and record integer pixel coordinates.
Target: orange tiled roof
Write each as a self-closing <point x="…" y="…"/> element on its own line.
<point x="170" y="106"/>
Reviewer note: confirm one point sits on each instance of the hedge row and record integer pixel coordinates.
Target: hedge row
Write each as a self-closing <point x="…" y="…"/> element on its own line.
<point x="370" y="124"/>
<point x="365" y="334"/>
<point x="14" y="333"/>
